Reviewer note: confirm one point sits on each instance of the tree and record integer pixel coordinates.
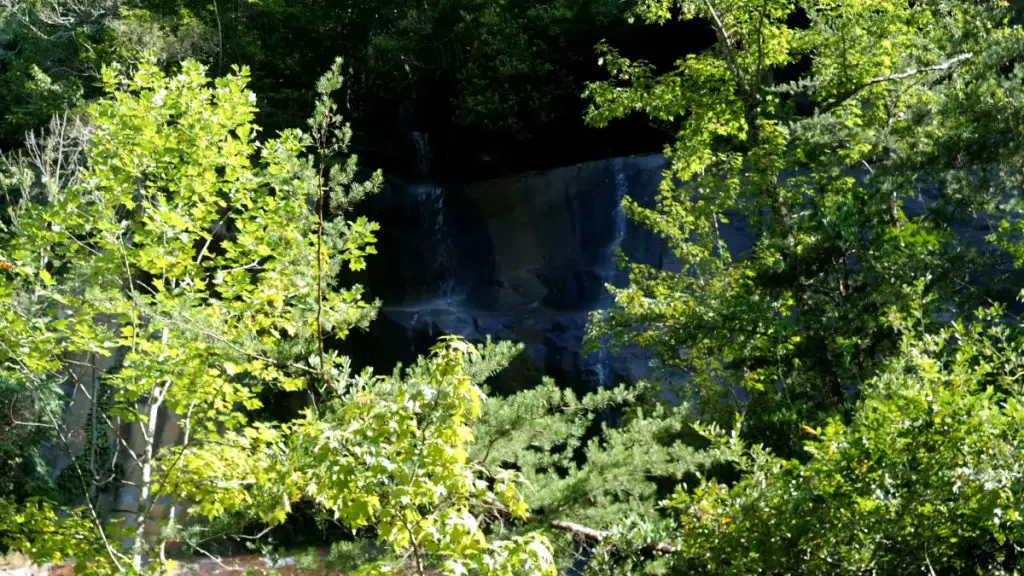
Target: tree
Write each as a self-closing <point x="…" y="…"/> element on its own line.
<point x="177" y="248"/>
<point x="52" y="53"/>
<point x="840" y="142"/>
<point x="32" y="394"/>
<point x="595" y="469"/>
<point x="394" y="452"/>
<point x="921" y="479"/>
<point x="181" y="251"/>
<point x="512" y="64"/>
<point x="495" y="71"/>
<point x="857" y="140"/>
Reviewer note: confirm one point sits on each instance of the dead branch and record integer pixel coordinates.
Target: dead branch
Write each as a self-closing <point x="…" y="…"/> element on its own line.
<point x="584" y="532"/>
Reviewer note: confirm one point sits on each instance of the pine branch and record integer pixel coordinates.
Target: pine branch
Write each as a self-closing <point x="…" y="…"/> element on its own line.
<point x="494" y="357"/>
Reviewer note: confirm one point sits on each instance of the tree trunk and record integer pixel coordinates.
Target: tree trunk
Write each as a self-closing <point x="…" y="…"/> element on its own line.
<point x="156" y="399"/>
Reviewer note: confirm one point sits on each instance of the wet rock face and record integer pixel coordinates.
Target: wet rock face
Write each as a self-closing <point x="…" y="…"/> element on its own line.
<point x="526" y="258"/>
<point x="523" y="258"/>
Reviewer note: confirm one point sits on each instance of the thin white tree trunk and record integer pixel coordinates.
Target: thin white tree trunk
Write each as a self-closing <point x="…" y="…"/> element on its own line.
<point x="173" y="516"/>
<point x="156" y="399"/>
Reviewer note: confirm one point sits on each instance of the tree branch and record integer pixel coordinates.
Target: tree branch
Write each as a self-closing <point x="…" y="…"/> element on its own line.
<point x="941" y="66"/>
<point x="197" y="329"/>
<point x="730" y="49"/>
<point x="585" y="532"/>
<point x="112" y="553"/>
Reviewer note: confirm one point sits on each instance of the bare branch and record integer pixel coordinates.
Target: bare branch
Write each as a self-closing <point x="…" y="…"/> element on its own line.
<point x="587" y="533"/>
<point x="63" y="17"/>
<point x="599" y="536"/>
<point x="217" y="337"/>
<point x="112" y="553"/>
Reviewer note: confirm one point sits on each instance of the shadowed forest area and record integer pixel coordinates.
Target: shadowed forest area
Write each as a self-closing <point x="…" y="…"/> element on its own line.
<point x="511" y="287"/>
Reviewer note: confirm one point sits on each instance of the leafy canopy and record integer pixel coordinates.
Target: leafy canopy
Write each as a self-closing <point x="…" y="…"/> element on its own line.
<point x="182" y="251"/>
<point x="834" y="143"/>
<point x="922" y="478"/>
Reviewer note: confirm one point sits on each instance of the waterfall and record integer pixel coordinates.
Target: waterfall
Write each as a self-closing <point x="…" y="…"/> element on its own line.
<point x="440" y="283"/>
<point x="424" y="156"/>
<point x="522" y="257"/>
<point x="430" y="302"/>
<point x="596" y="366"/>
<point x="609" y="269"/>
<point x="429" y="298"/>
<point x="619" y="214"/>
<point x="429" y="210"/>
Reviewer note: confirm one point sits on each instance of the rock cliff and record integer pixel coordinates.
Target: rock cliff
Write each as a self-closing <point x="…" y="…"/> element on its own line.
<point x="523" y="258"/>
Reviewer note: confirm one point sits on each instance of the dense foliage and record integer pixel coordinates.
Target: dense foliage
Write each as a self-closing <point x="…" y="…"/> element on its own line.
<point x="488" y="70"/>
<point x="179" y="267"/>
<point x="921" y="479"/>
<point x="852" y="177"/>
<point x="185" y="248"/>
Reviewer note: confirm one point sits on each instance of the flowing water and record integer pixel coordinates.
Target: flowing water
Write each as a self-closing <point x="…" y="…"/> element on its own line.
<point x="424" y="156"/>
<point x="596" y="366"/>
<point x="428" y="200"/>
